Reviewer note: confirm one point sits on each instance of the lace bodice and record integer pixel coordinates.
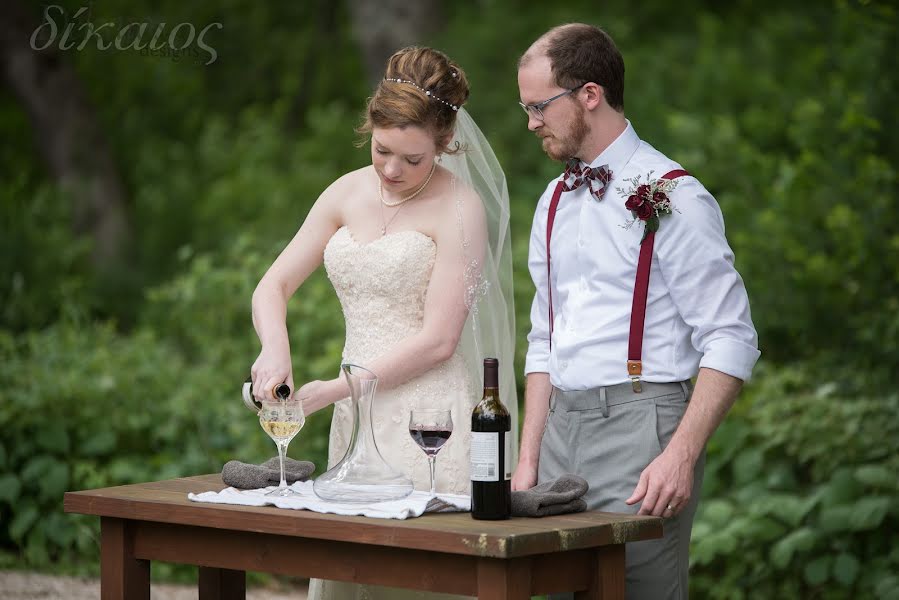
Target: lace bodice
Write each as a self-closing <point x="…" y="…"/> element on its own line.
<point x="381" y="286"/>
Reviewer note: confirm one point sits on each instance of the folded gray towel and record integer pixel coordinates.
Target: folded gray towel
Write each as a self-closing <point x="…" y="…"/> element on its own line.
<point x="557" y="497"/>
<point x="245" y="476"/>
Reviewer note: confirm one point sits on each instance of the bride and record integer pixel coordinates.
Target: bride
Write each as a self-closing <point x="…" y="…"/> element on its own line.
<point x="417" y="248"/>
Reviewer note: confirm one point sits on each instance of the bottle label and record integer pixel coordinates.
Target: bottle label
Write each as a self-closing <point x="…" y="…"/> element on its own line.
<point x="248" y="399"/>
<point x="508" y="456"/>
<point x="485" y="456"/>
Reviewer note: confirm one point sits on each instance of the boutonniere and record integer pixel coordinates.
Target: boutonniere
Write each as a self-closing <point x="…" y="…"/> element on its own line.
<point x="648" y="202"/>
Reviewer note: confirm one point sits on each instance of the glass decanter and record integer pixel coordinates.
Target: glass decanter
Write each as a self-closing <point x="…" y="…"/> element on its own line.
<point x="362" y="475"/>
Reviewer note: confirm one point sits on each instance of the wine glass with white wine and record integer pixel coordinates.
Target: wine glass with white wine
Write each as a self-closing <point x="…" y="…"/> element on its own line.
<point x="282" y="420"/>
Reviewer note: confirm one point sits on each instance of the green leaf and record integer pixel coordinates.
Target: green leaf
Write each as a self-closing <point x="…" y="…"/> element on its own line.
<point x="36" y="467"/>
<point x="846" y="568"/>
<point x="786" y="507"/>
<point x="652" y="223"/>
<point x="816" y="571"/>
<point x="888" y="588"/>
<point x="98" y="443"/>
<point x="717" y="512"/>
<point x="764" y="529"/>
<point x="54" y="482"/>
<point x="869" y="513"/>
<point x="50" y="475"/>
<point x="59" y="529"/>
<point x="801" y="540"/>
<point x="841" y="488"/>
<point x="22" y="522"/>
<point x="836" y="519"/>
<point x="781" y="476"/>
<point x="718" y="544"/>
<point x="10" y="486"/>
<point x="702" y="551"/>
<point x="36" y="548"/>
<point x="52" y="437"/>
<point x="878" y="476"/>
<point x="701" y="529"/>
<point x="748" y="466"/>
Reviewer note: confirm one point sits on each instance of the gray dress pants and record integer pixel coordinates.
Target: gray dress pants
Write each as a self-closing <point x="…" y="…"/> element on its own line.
<point x="608" y="436"/>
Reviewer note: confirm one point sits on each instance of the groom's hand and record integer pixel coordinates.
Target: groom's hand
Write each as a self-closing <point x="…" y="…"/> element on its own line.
<point x="665" y="485"/>
<point x="524" y="477"/>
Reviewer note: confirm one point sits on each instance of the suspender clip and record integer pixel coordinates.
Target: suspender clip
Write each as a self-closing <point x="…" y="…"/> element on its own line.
<point x="635" y="382"/>
<point x="634" y="370"/>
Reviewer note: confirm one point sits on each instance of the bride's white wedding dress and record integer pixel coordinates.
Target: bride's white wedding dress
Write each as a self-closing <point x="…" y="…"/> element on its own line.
<point x="382" y="286"/>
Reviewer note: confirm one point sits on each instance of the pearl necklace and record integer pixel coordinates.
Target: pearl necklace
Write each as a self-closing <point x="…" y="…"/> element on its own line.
<point x="409" y="197"/>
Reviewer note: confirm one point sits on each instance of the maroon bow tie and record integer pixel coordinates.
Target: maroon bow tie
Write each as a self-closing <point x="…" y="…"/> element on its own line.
<point x="577" y="173"/>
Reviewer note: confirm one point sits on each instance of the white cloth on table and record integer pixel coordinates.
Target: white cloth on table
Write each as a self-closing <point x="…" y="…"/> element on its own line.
<point x="414" y="505"/>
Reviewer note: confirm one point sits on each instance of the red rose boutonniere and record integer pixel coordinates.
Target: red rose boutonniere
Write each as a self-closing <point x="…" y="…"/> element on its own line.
<point x="649" y="201"/>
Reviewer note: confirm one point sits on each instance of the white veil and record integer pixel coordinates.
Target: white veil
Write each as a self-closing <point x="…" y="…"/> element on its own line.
<point x="490" y="328"/>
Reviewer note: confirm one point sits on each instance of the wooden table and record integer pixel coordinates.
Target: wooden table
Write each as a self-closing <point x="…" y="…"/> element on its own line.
<point x="438" y="552"/>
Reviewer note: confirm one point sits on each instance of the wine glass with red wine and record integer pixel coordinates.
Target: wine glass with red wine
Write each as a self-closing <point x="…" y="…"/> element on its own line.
<point x="430" y="428"/>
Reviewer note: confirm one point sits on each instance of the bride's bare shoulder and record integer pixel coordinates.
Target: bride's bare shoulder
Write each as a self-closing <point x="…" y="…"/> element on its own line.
<point x="353" y="178"/>
<point x="459" y="201"/>
<point x="347" y="183"/>
<point x="467" y="201"/>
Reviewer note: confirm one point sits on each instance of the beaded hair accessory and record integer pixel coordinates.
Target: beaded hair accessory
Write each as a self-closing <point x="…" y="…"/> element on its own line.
<point x="427" y="92"/>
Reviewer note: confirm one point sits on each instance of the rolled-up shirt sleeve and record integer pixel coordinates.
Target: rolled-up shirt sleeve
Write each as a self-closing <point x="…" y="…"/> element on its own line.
<point x="537" y="358"/>
<point x="697" y="265"/>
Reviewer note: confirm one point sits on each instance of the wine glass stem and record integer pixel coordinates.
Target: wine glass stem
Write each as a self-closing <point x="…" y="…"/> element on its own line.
<point x="431" y="460"/>
<point x="282" y="450"/>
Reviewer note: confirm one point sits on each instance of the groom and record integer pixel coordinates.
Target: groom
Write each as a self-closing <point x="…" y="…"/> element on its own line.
<point x="636" y="295"/>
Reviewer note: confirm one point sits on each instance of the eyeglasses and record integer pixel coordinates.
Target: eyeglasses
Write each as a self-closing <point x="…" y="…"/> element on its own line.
<point x="536" y="110"/>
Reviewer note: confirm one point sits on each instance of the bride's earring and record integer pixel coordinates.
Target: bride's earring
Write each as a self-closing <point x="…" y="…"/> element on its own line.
<point x="438" y="158"/>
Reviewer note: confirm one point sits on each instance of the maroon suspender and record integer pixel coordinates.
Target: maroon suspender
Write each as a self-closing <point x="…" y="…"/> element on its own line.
<point x="550" y="219"/>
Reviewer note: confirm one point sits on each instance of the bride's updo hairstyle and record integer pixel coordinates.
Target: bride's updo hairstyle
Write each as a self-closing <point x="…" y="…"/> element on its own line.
<point x="421" y="87"/>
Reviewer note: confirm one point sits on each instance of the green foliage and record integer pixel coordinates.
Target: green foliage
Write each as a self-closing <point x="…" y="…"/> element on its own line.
<point x="812" y="193"/>
<point x="240" y="176"/>
<point x="45" y="268"/>
<point x="88" y="406"/>
<point x="801" y="485"/>
<point x="83" y="407"/>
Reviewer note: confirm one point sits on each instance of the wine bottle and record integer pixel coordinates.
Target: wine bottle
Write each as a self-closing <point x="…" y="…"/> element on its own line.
<point x="282" y="391"/>
<point x="491" y="451"/>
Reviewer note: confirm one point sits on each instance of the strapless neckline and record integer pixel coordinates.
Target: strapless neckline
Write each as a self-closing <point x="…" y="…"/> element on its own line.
<point x="413" y="232"/>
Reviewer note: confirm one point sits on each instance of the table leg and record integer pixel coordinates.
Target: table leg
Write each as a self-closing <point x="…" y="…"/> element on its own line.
<point x="607" y="582"/>
<point x="502" y="579"/>
<point x="122" y="577"/>
<point x="222" y="584"/>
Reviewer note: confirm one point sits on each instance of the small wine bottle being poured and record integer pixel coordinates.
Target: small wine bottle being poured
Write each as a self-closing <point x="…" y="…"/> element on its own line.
<point x="281" y="391"/>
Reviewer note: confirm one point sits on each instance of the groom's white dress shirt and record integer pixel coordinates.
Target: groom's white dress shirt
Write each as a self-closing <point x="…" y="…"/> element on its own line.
<point x="697" y="311"/>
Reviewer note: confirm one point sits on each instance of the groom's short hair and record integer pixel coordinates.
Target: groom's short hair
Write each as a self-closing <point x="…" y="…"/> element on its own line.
<point x="579" y="53"/>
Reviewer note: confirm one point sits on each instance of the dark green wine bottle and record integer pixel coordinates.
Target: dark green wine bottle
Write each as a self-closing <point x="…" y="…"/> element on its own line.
<point x="491" y="446"/>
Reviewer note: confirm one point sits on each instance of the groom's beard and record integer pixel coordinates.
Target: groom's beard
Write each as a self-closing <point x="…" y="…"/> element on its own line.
<point x="566" y="145"/>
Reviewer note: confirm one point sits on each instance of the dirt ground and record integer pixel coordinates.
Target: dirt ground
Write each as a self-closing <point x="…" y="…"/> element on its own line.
<point x="22" y="585"/>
